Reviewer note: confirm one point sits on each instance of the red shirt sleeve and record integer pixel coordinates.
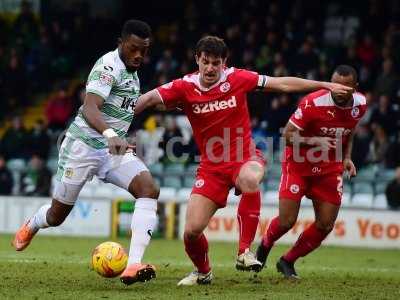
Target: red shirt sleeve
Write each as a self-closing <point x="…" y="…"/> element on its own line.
<point x="172" y="93"/>
<point x="303" y="114"/>
<point x="248" y="79"/>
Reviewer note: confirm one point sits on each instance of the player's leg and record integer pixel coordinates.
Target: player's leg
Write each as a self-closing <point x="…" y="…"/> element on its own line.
<point x="209" y="193"/>
<point x="291" y="190"/>
<point x="71" y="178"/>
<point x="132" y="175"/>
<point x="199" y="211"/>
<point x="326" y="195"/>
<point x="279" y="225"/>
<point x="248" y="213"/>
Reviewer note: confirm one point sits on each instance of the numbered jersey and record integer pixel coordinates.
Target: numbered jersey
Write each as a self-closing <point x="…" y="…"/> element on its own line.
<point x="316" y="116"/>
<point x="120" y="90"/>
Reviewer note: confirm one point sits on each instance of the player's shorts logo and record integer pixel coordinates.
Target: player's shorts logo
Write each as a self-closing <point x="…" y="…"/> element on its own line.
<point x="199" y="183"/>
<point x="225" y="87"/>
<point x="69" y="172"/>
<point x="294" y="188"/>
<point x="355" y="112"/>
<point x="298" y="114"/>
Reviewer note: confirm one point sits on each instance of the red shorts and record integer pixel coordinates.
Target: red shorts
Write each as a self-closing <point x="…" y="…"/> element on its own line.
<point x="327" y="187"/>
<point x="215" y="182"/>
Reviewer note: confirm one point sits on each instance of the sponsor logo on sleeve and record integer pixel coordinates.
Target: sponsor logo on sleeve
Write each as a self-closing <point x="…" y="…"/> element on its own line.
<point x="106" y="79"/>
<point x="298" y="114"/>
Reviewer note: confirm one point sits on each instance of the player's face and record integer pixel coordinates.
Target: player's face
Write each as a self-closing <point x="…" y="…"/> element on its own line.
<point x="210" y="68"/>
<point x="133" y="49"/>
<point x="347" y="81"/>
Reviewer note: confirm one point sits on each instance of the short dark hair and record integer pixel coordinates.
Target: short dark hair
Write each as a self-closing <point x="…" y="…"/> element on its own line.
<point x="136" y="27"/>
<point x="212" y="45"/>
<point x="346" y="70"/>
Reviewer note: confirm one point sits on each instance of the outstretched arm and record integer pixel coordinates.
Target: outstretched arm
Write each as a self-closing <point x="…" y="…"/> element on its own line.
<point x="150" y="99"/>
<point x="295" y="84"/>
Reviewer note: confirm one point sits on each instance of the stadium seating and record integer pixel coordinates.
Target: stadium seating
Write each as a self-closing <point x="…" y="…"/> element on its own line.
<point x="172" y="181"/>
<point x="380" y="202"/>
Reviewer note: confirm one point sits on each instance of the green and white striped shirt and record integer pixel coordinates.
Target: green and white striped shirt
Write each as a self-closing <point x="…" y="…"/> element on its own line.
<point x="120" y="90"/>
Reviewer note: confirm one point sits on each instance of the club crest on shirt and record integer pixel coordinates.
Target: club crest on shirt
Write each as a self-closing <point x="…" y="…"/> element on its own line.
<point x="298" y="114"/>
<point x="294" y="188"/>
<point x="199" y="183"/>
<point x="355" y="112"/>
<point x="225" y="87"/>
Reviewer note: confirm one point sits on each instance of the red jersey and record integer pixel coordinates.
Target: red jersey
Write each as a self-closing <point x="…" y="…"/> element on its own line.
<point x="318" y="116"/>
<point x="218" y="114"/>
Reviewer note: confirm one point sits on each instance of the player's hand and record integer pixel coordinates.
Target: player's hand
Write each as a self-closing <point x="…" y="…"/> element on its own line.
<point x="349" y="167"/>
<point x="326" y="143"/>
<point x="118" y="146"/>
<point x="339" y="89"/>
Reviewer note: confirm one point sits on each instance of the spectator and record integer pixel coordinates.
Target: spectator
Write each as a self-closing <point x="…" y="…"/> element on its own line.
<point x="39" y="140"/>
<point x="387" y="80"/>
<point x="36" y="180"/>
<point x="379" y="145"/>
<point x="361" y="142"/>
<point x="172" y="141"/>
<point x="15" y="140"/>
<point x="6" y="179"/>
<point x="393" y="191"/>
<point x="59" y="109"/>
<point x="384" y="115"/>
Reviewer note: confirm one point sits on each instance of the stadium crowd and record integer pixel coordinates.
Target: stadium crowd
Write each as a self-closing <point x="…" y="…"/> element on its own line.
<point x="42" y="55"/>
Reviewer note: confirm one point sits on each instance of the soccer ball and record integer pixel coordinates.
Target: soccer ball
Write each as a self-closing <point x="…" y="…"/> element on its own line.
<point x="109" y="259"/>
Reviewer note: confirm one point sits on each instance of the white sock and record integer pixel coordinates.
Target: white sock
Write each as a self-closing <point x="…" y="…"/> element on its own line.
<point x="144" y="220"/>
<point x="39" y="220"/>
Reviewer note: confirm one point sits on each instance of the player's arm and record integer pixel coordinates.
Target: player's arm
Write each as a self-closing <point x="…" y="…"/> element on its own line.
<point x="149" y="99"/>
<point x="92" y="114"/>
<point x="348" y="164"/>
<point x="168" y="96"/>
<point x="295" y="84"/>
<point x="291" y="133"/>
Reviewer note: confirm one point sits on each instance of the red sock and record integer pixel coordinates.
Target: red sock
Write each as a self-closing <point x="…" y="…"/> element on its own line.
<point x="274" y="233"/>
<point x="197" y="250"/>
<point x="248" y="215"/>
<point x="310" y="239"/>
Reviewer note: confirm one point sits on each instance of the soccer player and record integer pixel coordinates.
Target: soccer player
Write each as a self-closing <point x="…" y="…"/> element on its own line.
<point x="95" y="145"/>
<point x="319" y="138"/>
<point x="214" y="99"/>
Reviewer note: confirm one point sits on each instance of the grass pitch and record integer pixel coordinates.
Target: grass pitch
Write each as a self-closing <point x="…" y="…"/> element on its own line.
<point x="58" y="268"/>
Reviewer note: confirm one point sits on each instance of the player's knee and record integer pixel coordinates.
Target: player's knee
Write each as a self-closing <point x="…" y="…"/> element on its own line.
<point x="151" y="190"/>
<point x="325" y="227"/>
<point x="192" y="233"/>
<point x="249" y="183"/>
<point x="287" y="223"/>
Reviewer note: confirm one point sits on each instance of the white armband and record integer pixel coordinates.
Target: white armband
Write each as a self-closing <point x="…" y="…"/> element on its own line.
<point x="109" y="133"/>
<point x="262" y="81"/>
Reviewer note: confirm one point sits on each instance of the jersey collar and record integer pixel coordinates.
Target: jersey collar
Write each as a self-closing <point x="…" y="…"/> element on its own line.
<point x="195" y="79"/>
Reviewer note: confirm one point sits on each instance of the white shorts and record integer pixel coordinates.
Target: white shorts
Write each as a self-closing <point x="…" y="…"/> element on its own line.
<point x="78" y="163"/>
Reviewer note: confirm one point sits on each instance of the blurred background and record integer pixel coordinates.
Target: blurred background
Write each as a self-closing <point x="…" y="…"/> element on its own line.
<point x="48" y="47"/>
